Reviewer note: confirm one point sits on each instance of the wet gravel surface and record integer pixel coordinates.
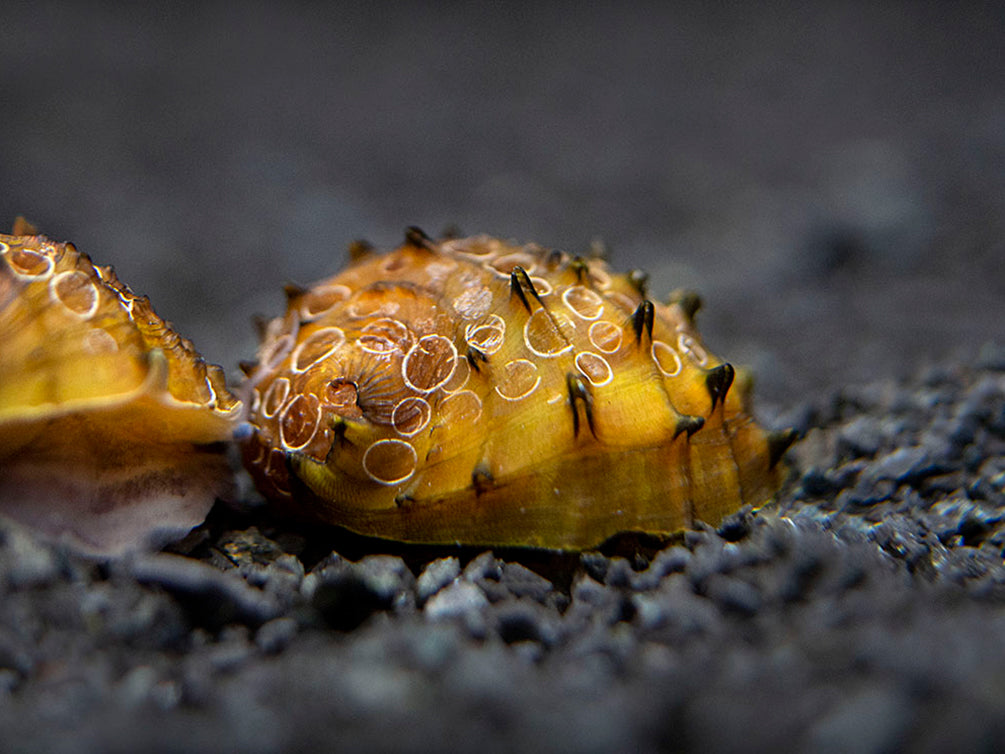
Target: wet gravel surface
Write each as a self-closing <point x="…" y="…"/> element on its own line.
<point x="830" y="177"/>
<point x="864" y="612"/>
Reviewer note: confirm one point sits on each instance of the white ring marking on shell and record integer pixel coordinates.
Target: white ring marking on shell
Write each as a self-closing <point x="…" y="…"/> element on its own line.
<point x="410" y="354"/>
<point x="425" y="409"/>
<point x="588" y="296"/>
<point x="542" y="286"/>
<point x="339" y="340"/>
<point x="528" y="391"/>
<point x="491" y="343"/>
<point x="589" y="355"/>
<point x="692" y="349"/>
<point x="596" y="339"/>
<point x="558" y="316"/>
<point x="343" y="291"/>
<point x="50" y="265"/>
<point x="268" y="398"/>
<point x="389" y="482"/>
<point x="282" y="433"/>
<point x="661" y="347"/>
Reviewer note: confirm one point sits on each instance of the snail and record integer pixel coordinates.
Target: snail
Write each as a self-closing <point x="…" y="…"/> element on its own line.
<point x="482" y="392"/>
<point x="111" y="424"/>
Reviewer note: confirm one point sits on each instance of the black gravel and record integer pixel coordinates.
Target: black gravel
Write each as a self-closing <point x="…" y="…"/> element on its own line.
<point x="863" y="612"/>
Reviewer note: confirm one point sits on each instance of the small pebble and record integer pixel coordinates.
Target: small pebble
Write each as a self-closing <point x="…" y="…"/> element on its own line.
<point x="345" y="594"/>
<point x="457" y="600"/>
<point x="860" y="437"/>
<point x="903" y="465"/>
<point x="273" y="637"/>
<point x="523" y="582"/>
<point x="437" y="575"/>
<point x="213" y="598"/>
<point x="733" y="595"/>
<point x="485" y="566"/>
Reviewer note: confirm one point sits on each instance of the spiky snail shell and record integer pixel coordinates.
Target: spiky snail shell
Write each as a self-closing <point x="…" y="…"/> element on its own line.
<point x="483" y="392"/>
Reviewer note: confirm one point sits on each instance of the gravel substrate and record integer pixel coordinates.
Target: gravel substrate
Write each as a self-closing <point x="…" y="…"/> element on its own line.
<point x="863" y="613"/>
<point x="830" y="176"/>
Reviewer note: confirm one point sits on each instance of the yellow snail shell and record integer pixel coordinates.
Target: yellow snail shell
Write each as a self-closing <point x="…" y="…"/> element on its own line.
<point x="111" y="424"/>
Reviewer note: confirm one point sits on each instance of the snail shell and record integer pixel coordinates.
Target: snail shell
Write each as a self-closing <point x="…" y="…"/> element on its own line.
<point x="481" y="392"/>
<point x="111" y="424"/>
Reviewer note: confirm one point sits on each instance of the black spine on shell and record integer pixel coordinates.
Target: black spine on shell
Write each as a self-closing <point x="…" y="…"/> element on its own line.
<point x="520" y="284"/>
<point x="579" y="392"/>
<point x="418" y="238"/>
<point x="717" y="381"/>
<point x="642" y="320"/>
<point x="689" y="424"/>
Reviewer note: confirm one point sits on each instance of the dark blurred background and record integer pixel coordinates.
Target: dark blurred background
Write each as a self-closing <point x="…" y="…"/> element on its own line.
<point x="831" y="176"/>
